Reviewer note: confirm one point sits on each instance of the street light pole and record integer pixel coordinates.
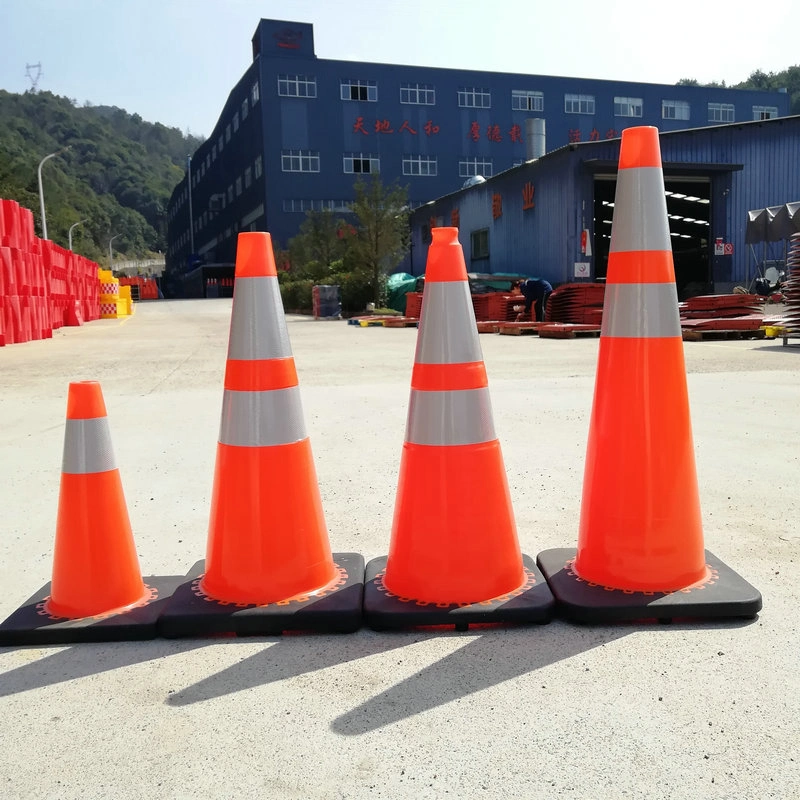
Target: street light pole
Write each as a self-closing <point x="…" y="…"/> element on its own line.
<point x="109" y="248"/>
<point x="41" y="191"/>
<point x="74" y="225"/>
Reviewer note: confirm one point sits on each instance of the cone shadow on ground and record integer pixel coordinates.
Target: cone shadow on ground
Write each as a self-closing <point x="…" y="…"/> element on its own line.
<point x="485" y="662"/>
<point x="290" y="657"/>
<point x="86" y="660"/>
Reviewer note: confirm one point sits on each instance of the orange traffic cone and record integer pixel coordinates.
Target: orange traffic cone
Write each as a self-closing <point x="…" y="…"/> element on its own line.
<point x="640" y="546"/>
<point x="268" y="563"/>
<point x="97" y="592"/>
<point x="454" y="556"/>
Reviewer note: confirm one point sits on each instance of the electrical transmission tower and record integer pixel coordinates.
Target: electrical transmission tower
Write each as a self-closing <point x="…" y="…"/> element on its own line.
<point x="33" y="77"/>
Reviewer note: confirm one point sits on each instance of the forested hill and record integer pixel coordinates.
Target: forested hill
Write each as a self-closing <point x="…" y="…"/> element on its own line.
<point x="118" y="173"/>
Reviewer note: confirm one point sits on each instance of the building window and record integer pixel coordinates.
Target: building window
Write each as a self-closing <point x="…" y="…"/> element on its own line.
<point x="228" y="132"/>
<point x="248" y="177"/>
<point x="765" y="112"/>
<point x="366" y="91"/>
<point x="628" y="106"/>
<point x="230" y="193"/>
<point x="254" y="93"/>
<point x="295" y="86"/>
<point x="214" y="152"/>
<point x="419" y="165"/>
<point x="579" y="104"/>
<point x="479" y="243"/>
<point x="236" y="122"/>
<point x="220" y="143"/>
<point x="245" y="109"/>
<point x="361" y="162"/>
<point x="258" y="167"/>
<point x="475" y="166"/>
<point x="300" y="160"/>
<point x="721" y="112"/>
<point x="674" y="109"/>
<point x="341" y="206"/>
<point x="474" y="98"/>
<point x="522" y="100"/>
<point x="238" y="185"/>
<point x="419" y="94"/>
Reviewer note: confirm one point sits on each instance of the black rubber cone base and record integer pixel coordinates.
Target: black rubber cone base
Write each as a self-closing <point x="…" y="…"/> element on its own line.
<point x="193" y="613"/>
<point x="32" y="624"/>
<point x="723" y="595"/>
<point x="532" y="602"/>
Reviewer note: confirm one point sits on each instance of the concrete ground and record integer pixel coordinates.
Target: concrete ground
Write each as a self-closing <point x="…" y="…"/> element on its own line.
<point x="560" y="710"/>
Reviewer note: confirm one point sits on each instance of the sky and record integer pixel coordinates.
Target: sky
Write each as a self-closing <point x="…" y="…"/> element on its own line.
<point x="175" y="61"/>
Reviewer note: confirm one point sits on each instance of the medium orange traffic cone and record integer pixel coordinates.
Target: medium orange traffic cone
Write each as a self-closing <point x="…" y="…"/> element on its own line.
<point x="268" y="563"/>
<point x="97" y="592"/>
<point x="454" y="556"/>
<point x="640" y="546"/>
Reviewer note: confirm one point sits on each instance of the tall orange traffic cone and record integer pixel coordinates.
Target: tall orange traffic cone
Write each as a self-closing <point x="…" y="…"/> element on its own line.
<point x="640" y="546"/>
<point x="97" y="592"/>
<point x="454" y="556"/>
<point x="268" y="563"/>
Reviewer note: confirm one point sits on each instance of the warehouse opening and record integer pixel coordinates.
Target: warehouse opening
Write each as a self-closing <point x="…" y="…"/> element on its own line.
<point x="689" y="212"/>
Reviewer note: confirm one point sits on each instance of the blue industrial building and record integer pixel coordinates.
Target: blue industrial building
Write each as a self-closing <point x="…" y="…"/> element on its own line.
<point x="552" y="216"/>
<point x="297" y="131"/>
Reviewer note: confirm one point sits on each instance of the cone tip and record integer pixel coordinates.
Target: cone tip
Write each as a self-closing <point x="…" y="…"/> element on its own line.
<point x="445" y="257"/>
<point x="640" y="148"/>
<point x="254" y="256"/>
<point x="85" y="400"/>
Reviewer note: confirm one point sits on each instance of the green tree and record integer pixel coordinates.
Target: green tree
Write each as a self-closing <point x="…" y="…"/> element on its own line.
<point x="318" y="245"/>
<point x="382" y="234"/>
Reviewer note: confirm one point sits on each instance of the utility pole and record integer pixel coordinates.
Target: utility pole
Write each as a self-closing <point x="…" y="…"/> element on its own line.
<point x="74" y="225"/>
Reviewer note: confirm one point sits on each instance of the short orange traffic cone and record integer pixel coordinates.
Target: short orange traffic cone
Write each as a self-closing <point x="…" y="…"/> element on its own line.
<point x="268" y="564"/>
<point x="640" y="546"/>
<point x="97" y="592"/>
<point x="454" y="556"/>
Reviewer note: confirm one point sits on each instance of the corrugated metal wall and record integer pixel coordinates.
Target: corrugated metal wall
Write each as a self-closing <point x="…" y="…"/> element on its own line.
<point x="545" y="240"/>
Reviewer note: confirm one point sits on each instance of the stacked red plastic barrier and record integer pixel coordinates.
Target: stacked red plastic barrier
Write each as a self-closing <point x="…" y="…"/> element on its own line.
<point x="148" y="288"/>
<point x="42" y="286"/>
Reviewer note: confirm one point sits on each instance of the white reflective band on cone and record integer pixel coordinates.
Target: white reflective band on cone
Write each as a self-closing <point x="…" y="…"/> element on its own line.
<point x="641" y="311"/>
<point x="447" y="418"/>
<point x="447" y="331"/>
<point x="87" y="447"/>
<point x="640" y="211"/>
<point x="262" y="419"/>
<point x="258" y="325"/>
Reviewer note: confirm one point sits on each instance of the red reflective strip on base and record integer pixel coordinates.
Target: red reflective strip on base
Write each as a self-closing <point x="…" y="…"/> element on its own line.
<point x="449" y="377"/>
<point x="641" y="266"/>
<point x="260" y="375"/>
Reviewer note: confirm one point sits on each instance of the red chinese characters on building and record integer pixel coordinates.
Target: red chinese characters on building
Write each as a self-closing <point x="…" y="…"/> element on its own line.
<point x="594" y="136"/>
<point x="527" y="196"/>
<point x="493" y="133"/>
<point x="475" y="132"/>
<point x="611" y="134"/>
<point x="385" y="126"/>
<point x="455" y="218"/>
<point x="497" y="205"/>
<point x="574" y="135"/>
<point x="515" y="133"/>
